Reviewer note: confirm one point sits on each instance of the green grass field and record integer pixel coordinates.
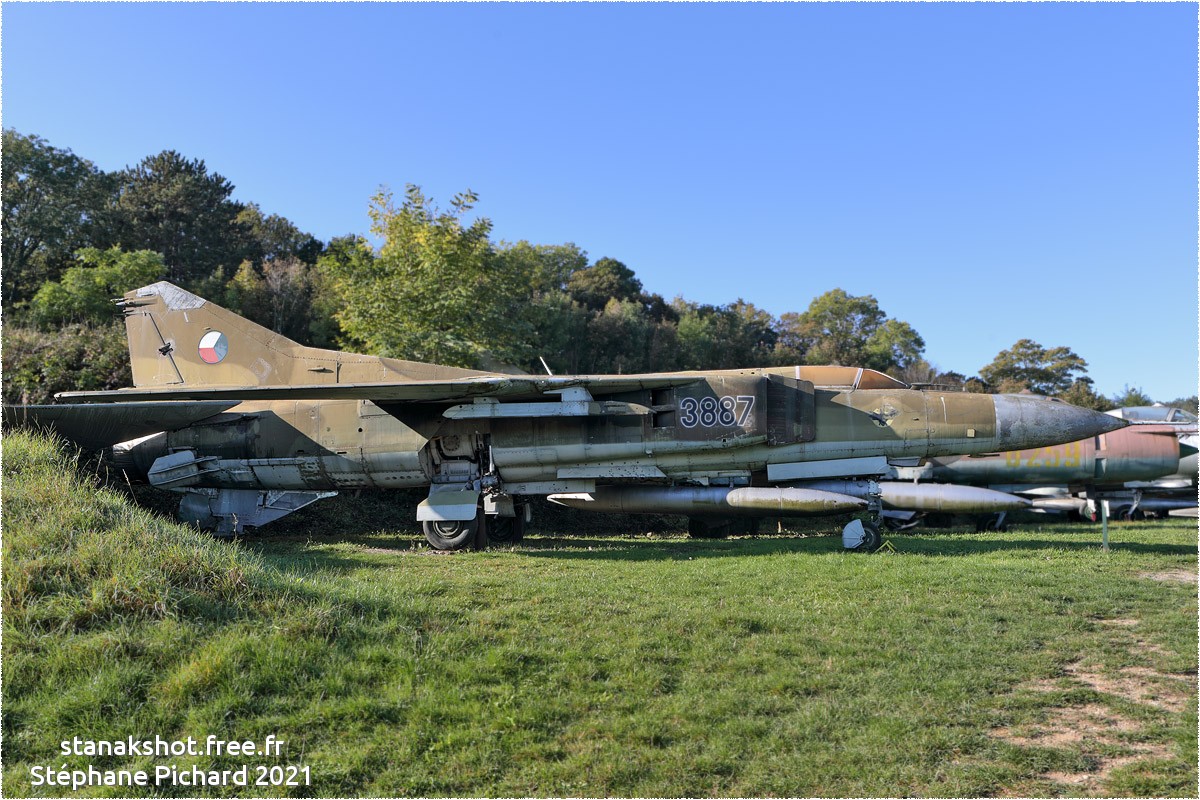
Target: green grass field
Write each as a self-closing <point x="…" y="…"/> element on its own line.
<point x="608" y="663"/>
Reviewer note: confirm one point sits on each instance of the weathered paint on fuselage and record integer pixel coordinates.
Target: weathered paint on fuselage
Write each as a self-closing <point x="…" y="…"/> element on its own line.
<point x="1140" y="452"/>
<point x="337" y="444"/>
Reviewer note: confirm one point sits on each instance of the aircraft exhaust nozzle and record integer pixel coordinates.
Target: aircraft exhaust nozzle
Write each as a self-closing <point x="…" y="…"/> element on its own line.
<point x="938" y="497"/>
<point x="1028" y="421"/>
<point x="717" y="501"/>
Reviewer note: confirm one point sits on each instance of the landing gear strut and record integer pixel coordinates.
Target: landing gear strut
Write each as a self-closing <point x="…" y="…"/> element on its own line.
<point x="864" y="536"/>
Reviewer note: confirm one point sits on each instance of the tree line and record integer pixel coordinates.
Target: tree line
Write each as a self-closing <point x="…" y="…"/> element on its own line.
<point x="438" y="288"/>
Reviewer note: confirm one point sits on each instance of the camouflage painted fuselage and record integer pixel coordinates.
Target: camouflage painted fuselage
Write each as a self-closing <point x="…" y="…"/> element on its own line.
<point x="729" y="425"/>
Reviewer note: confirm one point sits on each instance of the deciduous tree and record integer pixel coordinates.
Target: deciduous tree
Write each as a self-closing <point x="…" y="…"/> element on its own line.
<point x="1131" y="396"/>
<point x="76" y="357"/>
<point x="839" y="328"/>
<point x="724" y="337"/>
<point x="1029" y="366"/>
<point x="50" y="199"/>
<point x="1082" y="393"/>
<point x="436" y="291"/>
<point x="548" y="267"/>
<point x="607" y="279"/>
<point x="86" y="291"/>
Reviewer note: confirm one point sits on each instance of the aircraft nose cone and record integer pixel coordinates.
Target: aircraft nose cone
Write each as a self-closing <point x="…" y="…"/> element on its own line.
<point x="1025" y="421"/>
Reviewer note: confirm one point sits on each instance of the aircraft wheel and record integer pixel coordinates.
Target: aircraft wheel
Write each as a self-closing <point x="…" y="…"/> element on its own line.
<point x="992" y="523"/>
<point x="507" y="530"/>
<point x="450" y="534"/>
<point x="707" y="529"/>
<point x="872" y="538"/>
<point x="1128" y="514"/>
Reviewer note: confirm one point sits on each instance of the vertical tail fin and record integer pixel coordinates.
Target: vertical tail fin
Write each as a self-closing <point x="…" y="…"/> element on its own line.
<point x="179" y="339"/>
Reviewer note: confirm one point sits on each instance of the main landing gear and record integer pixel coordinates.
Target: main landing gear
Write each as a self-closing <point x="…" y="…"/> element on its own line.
<point x="450" y="534"/>
<point x="507" y="530"/>
<point x="477" y="533"/>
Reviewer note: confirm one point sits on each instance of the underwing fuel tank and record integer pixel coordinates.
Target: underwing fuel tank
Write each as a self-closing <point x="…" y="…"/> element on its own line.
<point x="943" y="498"/>
<point x="716" y="501"/>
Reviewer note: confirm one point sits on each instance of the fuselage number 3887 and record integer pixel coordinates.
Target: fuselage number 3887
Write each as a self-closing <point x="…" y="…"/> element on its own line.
<point x="715" y="412"/>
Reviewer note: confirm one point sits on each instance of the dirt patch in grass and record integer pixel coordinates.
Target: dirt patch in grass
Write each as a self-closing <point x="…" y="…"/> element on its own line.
<point x="1072" y="726"/>
<point x="1106" y="766"/>
<point x="1180" y="575"/>
<point x="1095" y="730"/>
<point x="1099" y="732"/>
<point x="1139" y="684"/>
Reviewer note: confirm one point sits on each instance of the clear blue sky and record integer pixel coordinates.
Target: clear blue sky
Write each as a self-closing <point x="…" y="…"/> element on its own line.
<point x="987" y="171"/>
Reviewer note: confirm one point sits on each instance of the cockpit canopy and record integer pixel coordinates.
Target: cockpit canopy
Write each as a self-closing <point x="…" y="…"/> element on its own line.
<point x="833" y="377"/>
<point x="1155" y="413"/>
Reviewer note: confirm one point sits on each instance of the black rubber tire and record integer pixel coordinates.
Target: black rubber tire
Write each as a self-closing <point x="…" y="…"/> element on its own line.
<point x="872" y="538"/>
<point x="450" y="535"/>
<point x="507" y="530"/>
<point x="1121" y="513"/>
<point x="700" y="528"/>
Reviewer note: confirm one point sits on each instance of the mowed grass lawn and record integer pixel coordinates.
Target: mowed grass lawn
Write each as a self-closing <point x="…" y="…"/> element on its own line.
<point x="963" y="664"/>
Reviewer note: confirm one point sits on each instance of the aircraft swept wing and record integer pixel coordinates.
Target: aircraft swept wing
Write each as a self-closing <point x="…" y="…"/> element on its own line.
<point x="506" y="387"/>
<point x="94" y="427"/>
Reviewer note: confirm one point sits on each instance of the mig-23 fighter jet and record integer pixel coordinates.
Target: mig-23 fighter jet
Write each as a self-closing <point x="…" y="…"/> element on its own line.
<point x="248" y="426"/>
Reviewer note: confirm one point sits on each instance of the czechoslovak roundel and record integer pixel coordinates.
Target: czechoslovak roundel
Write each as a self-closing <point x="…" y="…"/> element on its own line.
<point x="213" y="347"/>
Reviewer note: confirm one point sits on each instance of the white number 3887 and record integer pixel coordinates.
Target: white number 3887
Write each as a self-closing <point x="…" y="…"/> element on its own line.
<point x="715" y="412"/>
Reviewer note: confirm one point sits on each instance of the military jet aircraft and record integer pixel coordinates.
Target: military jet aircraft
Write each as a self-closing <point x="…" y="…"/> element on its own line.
<point x="1072" y="477"/>
<point x="1173" y="493"/>
<point x="248" y="426"/>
